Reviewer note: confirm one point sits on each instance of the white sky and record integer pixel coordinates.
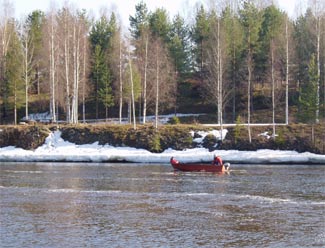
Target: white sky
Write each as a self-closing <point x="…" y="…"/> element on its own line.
<point x="127" y="7"/>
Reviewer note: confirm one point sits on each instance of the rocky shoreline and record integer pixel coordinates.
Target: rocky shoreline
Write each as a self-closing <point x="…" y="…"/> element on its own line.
<point x="296" y="137"/>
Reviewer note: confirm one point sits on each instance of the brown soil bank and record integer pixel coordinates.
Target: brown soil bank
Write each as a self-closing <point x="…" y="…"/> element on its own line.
<point x="296" y="137"/>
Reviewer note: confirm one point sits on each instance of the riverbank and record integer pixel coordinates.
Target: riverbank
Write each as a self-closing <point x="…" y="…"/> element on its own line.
<point x="56" y="149"/>
<point x="295" y="137"/>
<point x="116" y="143"/>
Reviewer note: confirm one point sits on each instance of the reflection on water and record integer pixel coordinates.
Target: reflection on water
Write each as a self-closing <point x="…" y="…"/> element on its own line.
<point x="136" y="205"/>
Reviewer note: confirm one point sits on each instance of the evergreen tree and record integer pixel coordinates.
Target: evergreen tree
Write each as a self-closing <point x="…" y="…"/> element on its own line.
<point x="100" y="33"/>
<point x="101" y="78"/>
<point x="305" y="46"/>
<point x="112" y="30"/>
<point x="160" y="25"/>
<point x="250" y="20"/>
<point x="199" y="34"/>
<point x="100" y="37"/>
<point x="139" y="23"/>
<point x="179" y="46"/>
<point x="105" y="92"/>
<point x="234" y="37"/>
<point x="271" y="27"/>
<point x="35" y="22"/>
<point x="308" y="94"/>
<point x="14" y="72"/>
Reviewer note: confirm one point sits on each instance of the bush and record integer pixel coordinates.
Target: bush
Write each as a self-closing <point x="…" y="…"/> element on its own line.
<point x="280" y="140"/>
<point x="238" y="129"/>
<point x="174" y="120"/>
<point x="155" y="143"/>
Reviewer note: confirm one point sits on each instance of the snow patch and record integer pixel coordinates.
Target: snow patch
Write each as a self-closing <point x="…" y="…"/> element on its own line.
<point x="219" y="134"/>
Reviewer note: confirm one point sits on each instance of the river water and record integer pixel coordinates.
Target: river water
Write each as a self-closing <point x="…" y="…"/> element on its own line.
<point x="147" y="205"/>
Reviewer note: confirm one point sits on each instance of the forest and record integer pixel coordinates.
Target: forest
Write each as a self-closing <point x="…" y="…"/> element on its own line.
<point x="244" y="61"/>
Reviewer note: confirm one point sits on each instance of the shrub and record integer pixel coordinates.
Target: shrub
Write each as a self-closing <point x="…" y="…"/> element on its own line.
<point x="174" y="120"/>
<point x="238" y="129"/>
<point x="280" y="140"/>
<point x="155" y="143"/>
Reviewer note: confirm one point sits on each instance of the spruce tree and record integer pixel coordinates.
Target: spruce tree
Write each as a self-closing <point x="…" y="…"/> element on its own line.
<point x="14" y="70"/>
<point x="308" y="94"/>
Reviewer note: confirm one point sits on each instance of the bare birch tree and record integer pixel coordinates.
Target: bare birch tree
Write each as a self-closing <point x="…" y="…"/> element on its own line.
<point x="132" y="90"/>
<point x="85" y="66"/>
<point x="287" y="71"/>
<point x="51" y="30"/>
<point x="146" y="38"/>
<point x="161" y="91"/>
<point x="73" y="64"/>
<point x="144" y="55"/>
<point x="120" y="80"/>
<point x="117" y="60"/>
<point x="27" y="45"/>
<point x="217" y="89"/>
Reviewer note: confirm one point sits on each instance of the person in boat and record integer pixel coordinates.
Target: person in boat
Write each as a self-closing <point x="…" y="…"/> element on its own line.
<point x="173" y="160"/>
<point x="217" y="160"/>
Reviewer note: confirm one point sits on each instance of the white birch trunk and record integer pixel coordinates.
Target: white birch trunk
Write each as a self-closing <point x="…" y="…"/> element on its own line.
<point x="84" y="80"/>
<point x="67" y="72"/>
<point x="132" y="92"/>
<point x="220" y="96"/>
<point x="76" y="71"/>
<point x="287" y="73"/>
<point x="145" y="82"/>
<point x="121" y="82"/>
<point x="221" y="99"/>
<point x="249" y="68"/>
<point x="26" y="74"/>
<point x="77" y="80"/>
<point x="52" y="72"/>
<point x="318" y="23"/>
<point x="273" y="88"/>
<point x="218" y="71"/>
<point x="157" y="89"/>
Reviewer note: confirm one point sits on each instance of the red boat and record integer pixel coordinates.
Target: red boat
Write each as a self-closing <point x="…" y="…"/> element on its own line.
<point x="201" y="167"/>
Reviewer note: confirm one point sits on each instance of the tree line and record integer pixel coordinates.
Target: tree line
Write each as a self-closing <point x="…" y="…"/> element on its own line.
<point x="242" y="54"/>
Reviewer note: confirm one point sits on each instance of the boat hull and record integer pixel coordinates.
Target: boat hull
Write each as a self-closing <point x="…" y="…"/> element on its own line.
<point x="198" y="167"/>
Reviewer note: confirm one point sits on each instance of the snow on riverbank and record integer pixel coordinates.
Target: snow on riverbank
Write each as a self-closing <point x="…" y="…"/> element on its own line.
<point x="56" y="149"/>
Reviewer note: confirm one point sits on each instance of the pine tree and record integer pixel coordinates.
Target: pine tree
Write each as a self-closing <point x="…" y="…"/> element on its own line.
<point x="160" y="25"/>
<point x="101" y="78"/>
<point x="308" y="94"/>
<point x="234" y="37"/>
<point x="139" y="23"/>
<point x="34" y="24"/>
<point x="199" y="34"/>
<point x="14" y="72"/>
<point x="179" y="46"/>
<point x="100" y="37"/>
